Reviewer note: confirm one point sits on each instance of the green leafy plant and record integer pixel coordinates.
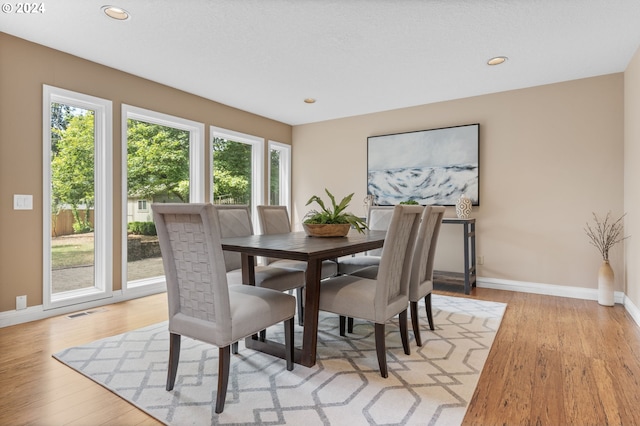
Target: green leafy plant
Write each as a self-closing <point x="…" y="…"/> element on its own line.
<point x="334" y="214"/>
<point x="142" y="228"/>
<point x="410" y="202"/>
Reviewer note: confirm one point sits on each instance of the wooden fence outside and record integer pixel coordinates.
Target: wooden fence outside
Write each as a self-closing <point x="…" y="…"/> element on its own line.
<point x="62" y="223"/>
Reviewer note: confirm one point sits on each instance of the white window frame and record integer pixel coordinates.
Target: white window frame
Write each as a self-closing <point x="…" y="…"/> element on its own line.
<point x="196" y="179"/>
<point x="257" y="165"/>
<point x="284" y="172"/>
<point x="103" y="178"/>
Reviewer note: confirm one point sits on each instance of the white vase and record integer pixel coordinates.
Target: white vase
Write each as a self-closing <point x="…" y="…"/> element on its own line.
<point x="605" y="284"/>
<point x="463" y="207"/>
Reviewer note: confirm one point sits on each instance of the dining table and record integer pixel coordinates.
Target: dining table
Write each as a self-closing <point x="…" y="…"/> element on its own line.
<point x="313" y="250"/>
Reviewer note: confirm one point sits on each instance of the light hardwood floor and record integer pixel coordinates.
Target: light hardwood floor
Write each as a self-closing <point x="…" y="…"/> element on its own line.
<point x="555" y="361"/>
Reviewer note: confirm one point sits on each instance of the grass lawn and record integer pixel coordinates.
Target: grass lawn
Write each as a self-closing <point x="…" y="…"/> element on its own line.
<point x="72" y="254"/>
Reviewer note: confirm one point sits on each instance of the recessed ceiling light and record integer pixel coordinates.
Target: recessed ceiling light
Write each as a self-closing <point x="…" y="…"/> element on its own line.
<point x="116" y="13"/>
<point x="309" y="101"/>
<point x="497" y="60"/>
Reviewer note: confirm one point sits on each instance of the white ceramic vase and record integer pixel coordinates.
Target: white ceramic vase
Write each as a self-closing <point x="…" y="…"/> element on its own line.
<point x="605" y="284"/>
<point x="463" y="207"/>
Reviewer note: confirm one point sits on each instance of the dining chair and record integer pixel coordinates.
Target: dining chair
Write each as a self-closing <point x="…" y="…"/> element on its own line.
<point x="421" y="278"/>
<point x="275" y="220"/>
<point x="378" y="219"/>
<point x="235" y="221"/>
<point x="421" y="281"/>
<point x="378" y="300"/>
<point x="202" y="305"/>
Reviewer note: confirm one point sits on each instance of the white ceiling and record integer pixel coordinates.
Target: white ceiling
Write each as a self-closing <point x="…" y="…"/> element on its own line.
<point x="354" y="56"/>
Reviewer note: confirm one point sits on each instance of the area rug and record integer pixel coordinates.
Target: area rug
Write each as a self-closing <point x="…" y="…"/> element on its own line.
<point x="432" y="386"/>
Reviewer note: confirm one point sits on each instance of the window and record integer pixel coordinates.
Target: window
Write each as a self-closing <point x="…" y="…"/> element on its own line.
<point x="280" y="174"/>
<point x="163" y="161"/>
<point x="237" y="163"/>
<point x="77" y="198"/>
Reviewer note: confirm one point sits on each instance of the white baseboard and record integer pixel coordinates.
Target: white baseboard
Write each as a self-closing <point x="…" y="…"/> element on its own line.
<point x="34" y="313"/>
<point x="557" y="290"/>
<point x="632" y="309"/>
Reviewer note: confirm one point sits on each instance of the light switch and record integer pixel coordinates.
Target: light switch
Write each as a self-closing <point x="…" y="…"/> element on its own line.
<point x="22" y="202"/>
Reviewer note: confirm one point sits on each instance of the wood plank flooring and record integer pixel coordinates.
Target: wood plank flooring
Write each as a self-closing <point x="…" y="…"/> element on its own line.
<point x="555" y="361"/>
<point x="559" y="361"/>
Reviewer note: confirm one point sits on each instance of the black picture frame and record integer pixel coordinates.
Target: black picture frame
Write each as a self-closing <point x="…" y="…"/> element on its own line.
<point x="431" y="167"/>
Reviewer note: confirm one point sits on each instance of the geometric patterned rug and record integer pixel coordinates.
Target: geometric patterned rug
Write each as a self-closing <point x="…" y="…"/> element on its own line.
<point x="432" y="386"/>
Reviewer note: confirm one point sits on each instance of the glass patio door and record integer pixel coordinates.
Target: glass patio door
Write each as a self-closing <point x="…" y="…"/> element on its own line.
<point x="77" y="175"/>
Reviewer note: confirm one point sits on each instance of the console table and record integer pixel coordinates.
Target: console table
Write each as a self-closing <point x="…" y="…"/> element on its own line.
<point x="468" y="277"/>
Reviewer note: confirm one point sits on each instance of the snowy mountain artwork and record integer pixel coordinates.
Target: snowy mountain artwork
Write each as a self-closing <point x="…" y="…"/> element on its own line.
<point x="432" y="167"/>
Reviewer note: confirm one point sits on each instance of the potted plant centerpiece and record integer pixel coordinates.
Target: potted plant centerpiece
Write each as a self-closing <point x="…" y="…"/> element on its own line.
<point x="605" y="234"/>
<point x="331" y="221"/>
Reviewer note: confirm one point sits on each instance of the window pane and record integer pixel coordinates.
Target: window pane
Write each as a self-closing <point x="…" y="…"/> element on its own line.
<point x="279" y="174"/>
<point x="231" y="172"/>
<point x="72" y="198"/>
<point x="157" y="172"/>
<point x="274" y="178"/>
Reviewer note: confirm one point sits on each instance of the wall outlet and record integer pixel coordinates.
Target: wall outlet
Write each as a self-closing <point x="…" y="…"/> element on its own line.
<point x="480" y="260"/>
<point x="21" y="302"/>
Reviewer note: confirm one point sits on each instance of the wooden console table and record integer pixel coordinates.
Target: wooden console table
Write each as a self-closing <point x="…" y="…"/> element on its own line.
<point x="468" y="277"/>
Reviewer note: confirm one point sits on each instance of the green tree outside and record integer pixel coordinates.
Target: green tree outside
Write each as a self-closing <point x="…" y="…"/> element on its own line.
<point x="157" y="164"/>
<point x="72" y="169"/>
<point x="157" y="161"/>
<point x="231" y="170"/>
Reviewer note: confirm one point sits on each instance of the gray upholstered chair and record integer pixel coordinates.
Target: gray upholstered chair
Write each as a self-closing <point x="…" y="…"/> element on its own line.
<point x="235" y="221"/>
<point x="421" y="279"/>
<point x="381" y="299"/>
<point x="201" y="304"/>
<point x="378" y="219"/>
<point x="275" y="220"/>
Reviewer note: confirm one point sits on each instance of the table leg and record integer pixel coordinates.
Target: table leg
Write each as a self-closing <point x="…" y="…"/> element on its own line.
<point x="254" y="342"/>
<point x="467" y="285"/>
<point x="311" y="308"/>
<point x="248" y="269"/>
<point x="473" y="254"/>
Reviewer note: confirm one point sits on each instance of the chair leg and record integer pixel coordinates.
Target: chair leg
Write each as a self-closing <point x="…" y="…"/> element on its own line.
<point x="234" y="348"/>
<point x="342" y="325"/>
<point x="300" y="307"/>
<point x="288" y="342"/>
<point x="415" y="324"/>
<point x="263" y="335"/>
<point x="174" y="357"/>
<point x="381" y="349"/>
<point x="427" y="305"/>
<point x="350" y="325"/>
<point x="404" y="335"/>
<point x="224" y="359"/>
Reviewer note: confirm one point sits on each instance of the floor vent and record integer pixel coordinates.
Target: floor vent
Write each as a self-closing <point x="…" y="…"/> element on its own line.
<point x="85" y="313"/>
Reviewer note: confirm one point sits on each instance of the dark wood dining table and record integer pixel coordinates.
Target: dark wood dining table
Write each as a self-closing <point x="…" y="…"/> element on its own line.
<point x="313" y="250"/>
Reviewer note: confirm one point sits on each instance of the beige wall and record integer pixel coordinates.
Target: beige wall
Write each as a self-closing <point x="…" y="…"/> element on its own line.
<point x="549" y="156"/>
<point x="632" y="177"/>
<point x="24" y="68"/>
